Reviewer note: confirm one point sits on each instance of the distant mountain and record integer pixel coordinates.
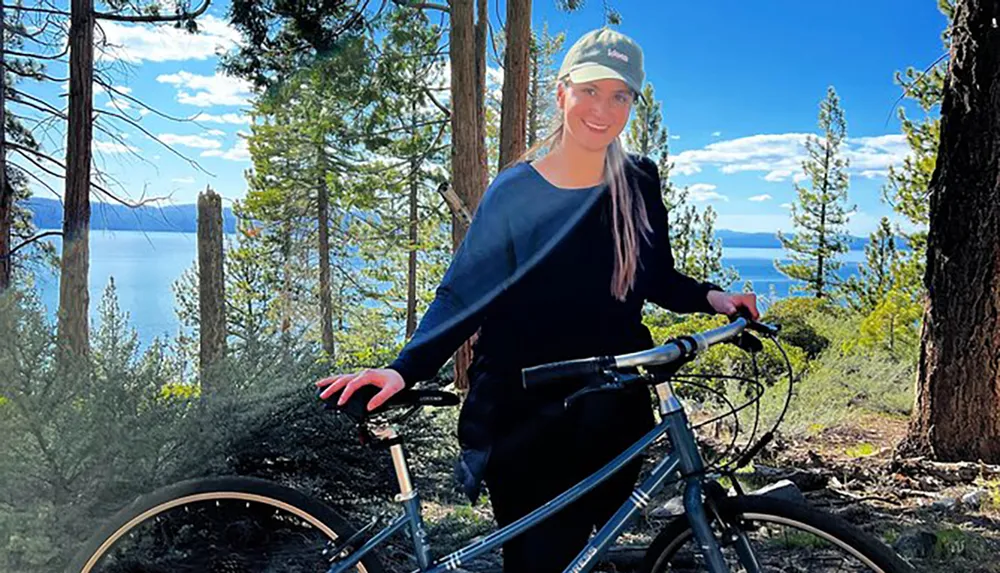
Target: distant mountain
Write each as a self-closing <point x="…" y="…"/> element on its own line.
<point x="115" y="217"/>
<point x="740" y="239"/>
<point x="184" y="219"/>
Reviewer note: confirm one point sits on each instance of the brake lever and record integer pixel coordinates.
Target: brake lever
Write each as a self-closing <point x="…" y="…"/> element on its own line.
<point x="607" y="387"/>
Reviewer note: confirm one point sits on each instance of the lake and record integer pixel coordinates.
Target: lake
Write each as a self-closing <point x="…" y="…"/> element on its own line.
<point x="146" y="265"/>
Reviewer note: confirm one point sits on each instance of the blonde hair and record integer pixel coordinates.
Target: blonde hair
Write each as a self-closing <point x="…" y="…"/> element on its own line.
<point x="628" y="210"/>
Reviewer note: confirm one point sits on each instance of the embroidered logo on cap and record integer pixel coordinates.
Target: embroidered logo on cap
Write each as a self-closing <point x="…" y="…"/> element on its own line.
<point x="613" y="53"/>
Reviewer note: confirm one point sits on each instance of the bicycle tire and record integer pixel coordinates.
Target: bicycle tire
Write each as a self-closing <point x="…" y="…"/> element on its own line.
<point x="760" y="509"/>
<point x="144" y="508"/>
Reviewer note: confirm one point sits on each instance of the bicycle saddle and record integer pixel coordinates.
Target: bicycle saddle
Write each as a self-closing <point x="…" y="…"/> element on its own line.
<point x="357" y="406"/>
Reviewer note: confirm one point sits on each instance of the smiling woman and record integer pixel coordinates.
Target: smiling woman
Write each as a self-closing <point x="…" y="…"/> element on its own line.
<point x="557" y="264"/>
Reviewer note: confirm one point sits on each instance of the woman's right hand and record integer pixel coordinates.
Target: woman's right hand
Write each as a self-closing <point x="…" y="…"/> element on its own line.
<point x="390" y="382"/>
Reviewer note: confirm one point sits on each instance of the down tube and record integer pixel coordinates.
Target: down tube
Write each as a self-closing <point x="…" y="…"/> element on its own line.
<point x="497" y="538"/>
<point x="639" y="498"/>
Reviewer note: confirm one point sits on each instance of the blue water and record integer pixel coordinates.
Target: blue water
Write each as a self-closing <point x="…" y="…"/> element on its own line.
<point x="146" y="265"/>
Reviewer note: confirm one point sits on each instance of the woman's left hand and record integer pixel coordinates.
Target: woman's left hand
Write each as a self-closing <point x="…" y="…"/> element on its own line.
<point x="729" y="303"/>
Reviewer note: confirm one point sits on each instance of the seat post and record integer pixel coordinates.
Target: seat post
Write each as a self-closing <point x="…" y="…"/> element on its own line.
<point x="389" y="434"/>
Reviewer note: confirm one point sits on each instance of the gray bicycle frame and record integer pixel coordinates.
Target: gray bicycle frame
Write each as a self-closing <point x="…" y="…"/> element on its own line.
<point x="684" y="459"/>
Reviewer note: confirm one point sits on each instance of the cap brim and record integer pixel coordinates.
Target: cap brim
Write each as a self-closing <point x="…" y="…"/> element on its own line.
<point x="594" y="72"/>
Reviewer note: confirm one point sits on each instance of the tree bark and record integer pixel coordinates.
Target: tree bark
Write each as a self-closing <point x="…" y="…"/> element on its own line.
<point x="6" y="224"/>
<point x="211" y="288"/>
<point x="411" y="263"/>
<point x="325" y="298"/>
<point x="467" y="52"/>
<point x="533" y="99"/>
<point x="74" y="299"/>
<point x="957" y="413"/>
<point x="6" y="189"/>
<point x="516" y="68"/>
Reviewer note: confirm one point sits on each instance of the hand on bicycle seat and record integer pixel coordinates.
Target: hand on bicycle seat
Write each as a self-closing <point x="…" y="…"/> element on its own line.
<point x="387" y="381"/>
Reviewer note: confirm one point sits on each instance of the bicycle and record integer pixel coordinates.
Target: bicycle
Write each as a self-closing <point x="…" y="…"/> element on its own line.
<point x="718" y="532"/>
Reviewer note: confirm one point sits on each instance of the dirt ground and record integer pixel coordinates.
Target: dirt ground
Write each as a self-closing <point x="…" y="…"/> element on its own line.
<point x="941" y="517"/>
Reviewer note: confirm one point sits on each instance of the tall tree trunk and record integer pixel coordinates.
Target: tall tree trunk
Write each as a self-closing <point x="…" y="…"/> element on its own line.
<point x="325" y="298"/>
<point x="516" y="66"/>
<point x="411" y="263"/>
<point x="286" y="288"/>
<point x="6" y="224"/>
<point x="957" y="415"/>
<point x="6" y="189"/>
<point x="74" y="299"/>
<point x="467" y="52"/>
<point x="535" y="54"/>
<point x="211" y="289"/>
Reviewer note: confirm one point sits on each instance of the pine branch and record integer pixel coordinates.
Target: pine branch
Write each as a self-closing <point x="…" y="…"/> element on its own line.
<point x="150" y="135"/>
<point x="17" y="7"/>
<point x="27" y="242"/>
<point x="423" y="6"/>
<point x="111" y="89"/>
<point x="31" y="174"/>
<point x="154" y="18"/>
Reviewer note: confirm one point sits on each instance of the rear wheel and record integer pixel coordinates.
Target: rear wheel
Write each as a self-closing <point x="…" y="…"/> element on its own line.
<point x="219" y="525"/>
<point x="783" y="536"/>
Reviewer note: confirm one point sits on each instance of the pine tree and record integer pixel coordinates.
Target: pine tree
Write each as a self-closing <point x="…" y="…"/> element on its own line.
<point x="875" y="278"/>
<point x="820" y="214"/>
<point x="646" y="134"/>
<point x="705" y="263"/>
<point x="542" y="86"/>
<point x="907" y="186"/>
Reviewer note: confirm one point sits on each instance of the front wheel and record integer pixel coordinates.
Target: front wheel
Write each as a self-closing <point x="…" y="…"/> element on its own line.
<point x="783" y="537"/>
<point x="219" y="525"/>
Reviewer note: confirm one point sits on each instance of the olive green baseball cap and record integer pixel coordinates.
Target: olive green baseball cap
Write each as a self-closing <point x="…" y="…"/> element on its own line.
<point x="604" y="54"/>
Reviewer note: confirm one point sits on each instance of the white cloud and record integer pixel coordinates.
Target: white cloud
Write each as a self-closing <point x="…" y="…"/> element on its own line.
<point x="183" y="180"/>
<point x="113" y="147"/>
<point x="874" y="173"/>
<point x="239" y="152"/>
<point x="233" y="118"/>
<point x="215" y="133"/>
<point x="786" y="205"/>
<point x="705" y="192"/>
<point x="117" y="103"/>
<point x="780" y="155"/>
<point x="143" y="112"/>
<point x="218" y="89"/>
<point x="778" y="175"/>
<point x="195" y="141"/>
<point x="675" y="137"/>
<point x="716" y="134"/>
<point x="136" y="43"/>
<point x="758" y="198"/>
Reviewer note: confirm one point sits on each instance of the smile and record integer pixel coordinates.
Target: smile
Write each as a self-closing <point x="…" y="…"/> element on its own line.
<point x="594" y="126"/>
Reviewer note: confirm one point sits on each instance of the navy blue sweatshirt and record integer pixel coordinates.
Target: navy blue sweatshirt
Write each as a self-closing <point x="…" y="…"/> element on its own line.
<point x="534" y="273"/>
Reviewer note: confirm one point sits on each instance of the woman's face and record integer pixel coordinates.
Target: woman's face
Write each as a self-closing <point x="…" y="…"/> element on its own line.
<point x="594" y="113"/>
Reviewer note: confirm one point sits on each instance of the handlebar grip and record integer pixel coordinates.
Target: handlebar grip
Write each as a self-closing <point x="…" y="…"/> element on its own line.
<point x="535" y="376"/>
<point x="756" y="326"/>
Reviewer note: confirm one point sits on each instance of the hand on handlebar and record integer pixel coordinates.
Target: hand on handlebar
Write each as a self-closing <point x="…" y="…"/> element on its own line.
<point x="730" y="303"/>
<point x="389" y="381"/>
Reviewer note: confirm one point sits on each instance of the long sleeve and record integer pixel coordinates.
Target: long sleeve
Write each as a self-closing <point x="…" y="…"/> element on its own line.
<point x="479" y="271"/>
<point x="670" y="288"/>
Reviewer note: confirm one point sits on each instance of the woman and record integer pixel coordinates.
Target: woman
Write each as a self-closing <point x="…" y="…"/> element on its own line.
<point x="561" y="255"/>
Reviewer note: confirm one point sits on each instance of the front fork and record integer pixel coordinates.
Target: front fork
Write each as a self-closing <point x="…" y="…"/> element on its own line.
<point x="692" y="466"/>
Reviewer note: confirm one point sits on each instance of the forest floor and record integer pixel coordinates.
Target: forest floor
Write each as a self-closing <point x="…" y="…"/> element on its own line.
<point x="941" y="517"/>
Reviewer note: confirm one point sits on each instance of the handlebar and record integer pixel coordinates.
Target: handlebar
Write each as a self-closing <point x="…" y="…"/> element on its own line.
<point x="666" y="353"/>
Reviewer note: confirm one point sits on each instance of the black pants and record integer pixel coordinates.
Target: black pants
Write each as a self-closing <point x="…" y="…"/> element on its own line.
<point x="563" y="451"/>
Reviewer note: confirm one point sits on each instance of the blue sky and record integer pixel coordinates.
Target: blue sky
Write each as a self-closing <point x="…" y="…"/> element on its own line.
<point x="740" y="84"/>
